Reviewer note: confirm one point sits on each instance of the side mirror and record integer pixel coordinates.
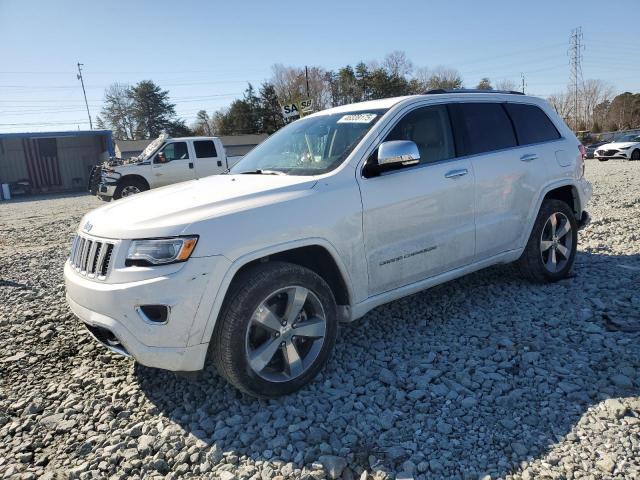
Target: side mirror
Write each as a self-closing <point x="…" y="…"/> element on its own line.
<point x="398" y="153"/>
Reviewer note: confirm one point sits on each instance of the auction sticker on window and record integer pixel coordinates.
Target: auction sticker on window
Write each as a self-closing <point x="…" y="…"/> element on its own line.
<point x="358" y="118"/>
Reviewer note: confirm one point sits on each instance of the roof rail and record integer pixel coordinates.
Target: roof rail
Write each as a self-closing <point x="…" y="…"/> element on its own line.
<point x="469" y="90"/>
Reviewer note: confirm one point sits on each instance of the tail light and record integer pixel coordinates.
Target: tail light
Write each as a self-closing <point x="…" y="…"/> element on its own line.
<point x="581" y="158"/>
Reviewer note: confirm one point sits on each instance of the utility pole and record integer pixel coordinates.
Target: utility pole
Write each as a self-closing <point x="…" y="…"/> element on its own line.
<point x="575" y="54"/>
<point x="523" y="84"/>
<point x="84" y="93"/>
<point x="306" y="77"/>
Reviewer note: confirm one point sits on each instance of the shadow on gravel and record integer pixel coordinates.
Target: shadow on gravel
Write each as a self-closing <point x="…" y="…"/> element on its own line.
<point x="468" y="378"/>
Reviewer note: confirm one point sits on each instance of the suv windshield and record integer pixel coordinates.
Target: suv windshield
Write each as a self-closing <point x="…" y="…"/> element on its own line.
<point x="309" y="146"/>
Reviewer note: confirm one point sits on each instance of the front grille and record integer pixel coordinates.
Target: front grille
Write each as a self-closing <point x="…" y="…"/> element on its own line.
<point x="607" y="153"/>
<point x="91" y="257"/>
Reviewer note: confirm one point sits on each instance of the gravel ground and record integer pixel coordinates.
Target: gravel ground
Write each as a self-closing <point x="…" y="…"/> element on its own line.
<point x="484" y="377"/>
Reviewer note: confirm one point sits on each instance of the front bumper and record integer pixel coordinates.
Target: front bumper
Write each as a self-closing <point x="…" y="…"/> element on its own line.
<point x="111" y="312"/>
<point x="106" y="190"/>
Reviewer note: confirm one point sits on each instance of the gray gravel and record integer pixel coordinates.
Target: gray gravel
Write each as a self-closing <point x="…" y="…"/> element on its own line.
<point x="484" y="377"/>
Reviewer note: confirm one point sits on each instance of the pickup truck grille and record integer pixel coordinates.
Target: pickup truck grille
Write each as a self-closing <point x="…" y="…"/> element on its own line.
<point x="91" y="257"/>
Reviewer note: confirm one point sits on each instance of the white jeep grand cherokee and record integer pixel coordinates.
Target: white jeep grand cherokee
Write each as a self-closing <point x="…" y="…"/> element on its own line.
<point x="335" y="214"/>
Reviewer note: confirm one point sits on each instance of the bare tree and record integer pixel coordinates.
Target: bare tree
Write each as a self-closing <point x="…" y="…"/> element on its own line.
<point x="593" y="92"/>
<point x="397" y="64"/>
<point x="561" y="103"/>
<point x="118" y="111"/>
<point x="290" y="85"/>
<point x="439" y="77"/>
<point x="506" y="84"/>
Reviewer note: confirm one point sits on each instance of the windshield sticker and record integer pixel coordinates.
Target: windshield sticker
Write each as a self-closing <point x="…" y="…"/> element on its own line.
<point x="358" y="118"/>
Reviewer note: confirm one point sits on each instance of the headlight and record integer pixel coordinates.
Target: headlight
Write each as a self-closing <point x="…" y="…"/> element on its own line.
<point x="626" y="148"/>
<point x="160" y="251"/>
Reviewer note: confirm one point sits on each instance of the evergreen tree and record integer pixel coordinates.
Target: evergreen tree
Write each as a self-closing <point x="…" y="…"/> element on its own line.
<point x="152" y="110"/>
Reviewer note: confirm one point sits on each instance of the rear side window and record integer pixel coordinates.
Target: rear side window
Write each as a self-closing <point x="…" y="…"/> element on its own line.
<point x="531" y="123"/>
<point x="205" y="148"/>
<point x="481" y="127"/>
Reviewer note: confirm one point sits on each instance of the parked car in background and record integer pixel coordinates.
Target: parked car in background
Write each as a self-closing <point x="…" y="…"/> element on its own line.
<point x="626" y="147"/>
<point x="591" y="149"/>
<point x="165" y="161"/>
<point x="333" y="215"/>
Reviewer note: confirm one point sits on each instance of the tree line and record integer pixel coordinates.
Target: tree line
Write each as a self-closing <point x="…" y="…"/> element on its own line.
<point x="145" y="110"/>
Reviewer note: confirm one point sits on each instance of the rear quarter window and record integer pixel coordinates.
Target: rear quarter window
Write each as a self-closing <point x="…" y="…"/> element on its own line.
<point x="481" y="127"/>
<point x="531" y="123"/>
<point x="205" y="149"/>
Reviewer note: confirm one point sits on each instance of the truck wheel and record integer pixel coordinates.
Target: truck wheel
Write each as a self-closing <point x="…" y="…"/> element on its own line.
<point x="552" y="245"/>
<point x="276" y="331"/>
<point x="129" y="187"/>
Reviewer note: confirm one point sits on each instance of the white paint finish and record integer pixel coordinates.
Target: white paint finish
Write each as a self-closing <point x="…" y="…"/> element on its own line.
<point x="474" y="221"/>
<point x="176" y="171"/>
<point x="417" y="223"/>
<point x="506" y="188"/>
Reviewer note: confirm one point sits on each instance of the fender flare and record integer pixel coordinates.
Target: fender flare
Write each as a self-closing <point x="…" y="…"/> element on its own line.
<point x="135" y="176"/>
<point x="223" y="286"/>
<point x="522" y="242"/>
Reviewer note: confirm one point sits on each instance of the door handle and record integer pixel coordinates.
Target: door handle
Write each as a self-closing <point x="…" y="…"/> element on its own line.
<point x="190" y="164"/>
<point x="456" y="173"/>
<point x="219" y="163"/>
<point x="527" y="157"/>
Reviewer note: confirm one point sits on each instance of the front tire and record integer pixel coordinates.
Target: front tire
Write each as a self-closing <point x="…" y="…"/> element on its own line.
<point x="552" y="245"/>
<point x="635" y="155"/>
<point x="128" y="187"/>
<point x="277" y="329"/>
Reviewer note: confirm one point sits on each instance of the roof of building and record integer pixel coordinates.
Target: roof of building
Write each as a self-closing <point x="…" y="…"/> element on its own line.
<point x="70" y="133"/>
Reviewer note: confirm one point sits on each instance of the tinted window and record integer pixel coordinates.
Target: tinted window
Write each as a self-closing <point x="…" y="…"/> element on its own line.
<point x="205" y="148"/>
<point x="430" y="129"/>
<point x="175" y="151"/>
<point x="531" y="123"/>
<point x="482" y="127"/>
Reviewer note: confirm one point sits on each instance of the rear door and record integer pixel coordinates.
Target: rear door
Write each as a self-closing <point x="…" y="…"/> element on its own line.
<point x="418" y="221"/>
<point x="209" y="161"/>
<point x="172" y="164"/>
<point x="508" y="176"/>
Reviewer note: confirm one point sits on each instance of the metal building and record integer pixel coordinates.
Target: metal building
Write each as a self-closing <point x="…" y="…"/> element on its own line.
<point x="53" y="161"/>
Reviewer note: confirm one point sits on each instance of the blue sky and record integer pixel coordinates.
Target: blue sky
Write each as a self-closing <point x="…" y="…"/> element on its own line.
<point x="205" y="52"/>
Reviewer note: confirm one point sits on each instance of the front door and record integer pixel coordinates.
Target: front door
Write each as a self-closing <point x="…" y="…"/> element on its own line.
<point x="419" y="221"/>
<point x="172" y="164"/>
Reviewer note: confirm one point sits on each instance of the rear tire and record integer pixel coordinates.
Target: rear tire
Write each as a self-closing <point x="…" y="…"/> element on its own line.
<point x="129" y="187"/>
<point x="276" y="330"/>
<point x="551" y="249"/>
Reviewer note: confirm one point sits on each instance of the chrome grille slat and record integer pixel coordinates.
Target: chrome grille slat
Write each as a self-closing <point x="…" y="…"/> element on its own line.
<point x="91" y="257"/>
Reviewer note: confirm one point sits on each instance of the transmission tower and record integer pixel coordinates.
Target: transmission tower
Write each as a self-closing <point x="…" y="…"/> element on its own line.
<point x="575" y="54"/>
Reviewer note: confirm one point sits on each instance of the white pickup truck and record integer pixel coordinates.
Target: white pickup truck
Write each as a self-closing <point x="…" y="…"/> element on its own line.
<point x="165" y="161"/>
<point x="331" y="216"/>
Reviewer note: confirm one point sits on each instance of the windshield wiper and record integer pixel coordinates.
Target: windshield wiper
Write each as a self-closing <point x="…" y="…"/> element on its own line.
<point x="262" y="172"/>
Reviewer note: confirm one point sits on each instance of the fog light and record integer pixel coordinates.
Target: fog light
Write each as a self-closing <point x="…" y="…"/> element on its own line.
<point x="154" y="313"/>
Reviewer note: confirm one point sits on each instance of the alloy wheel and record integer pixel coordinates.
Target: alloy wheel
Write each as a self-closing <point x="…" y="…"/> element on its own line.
<point x="556" y="242"/>
<point x="129" y="190"/>
<point x="285" y="334"/>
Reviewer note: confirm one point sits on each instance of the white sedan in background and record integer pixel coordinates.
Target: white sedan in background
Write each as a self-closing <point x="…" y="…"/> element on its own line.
<point x="627" y="147"/>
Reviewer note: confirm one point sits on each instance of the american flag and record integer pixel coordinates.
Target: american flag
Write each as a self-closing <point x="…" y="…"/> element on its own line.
<point x="43" y="171"/>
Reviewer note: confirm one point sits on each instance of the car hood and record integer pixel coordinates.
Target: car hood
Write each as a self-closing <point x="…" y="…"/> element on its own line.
<point x="170" y="210"/>
<point x="617" y="145"/>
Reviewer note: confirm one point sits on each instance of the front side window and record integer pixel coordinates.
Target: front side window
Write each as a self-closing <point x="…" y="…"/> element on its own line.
<point x="310" y="146"/>
<point x="172" y="151"/>
<point x="430" y="129"/>
<point x="531" y="123"/>
<point x="205" y="149"/>
<point x="482" y="127"/>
